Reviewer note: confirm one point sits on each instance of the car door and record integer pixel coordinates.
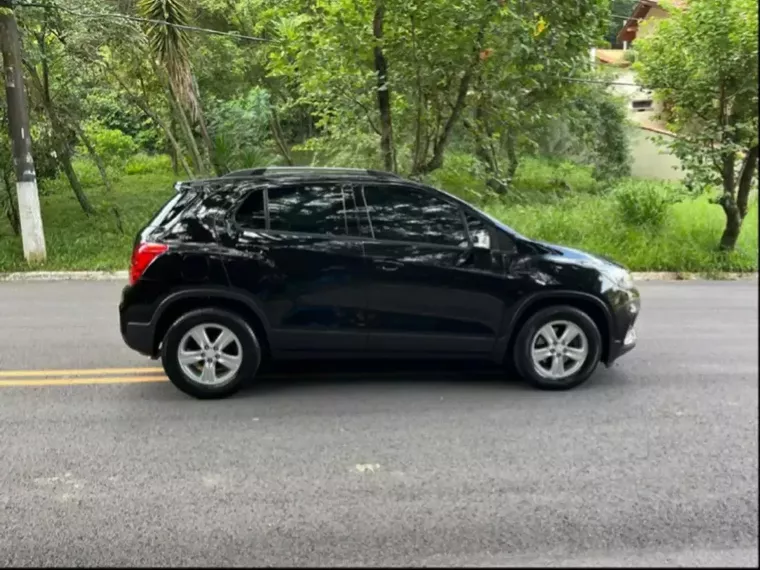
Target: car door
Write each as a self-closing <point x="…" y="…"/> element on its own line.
<point x="431" y="288"/>
<point x="302" y="259"/>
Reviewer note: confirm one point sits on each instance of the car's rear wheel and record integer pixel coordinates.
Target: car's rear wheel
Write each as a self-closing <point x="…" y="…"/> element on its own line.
<point x="558" y="348"/>
<point x="210" y="353"/>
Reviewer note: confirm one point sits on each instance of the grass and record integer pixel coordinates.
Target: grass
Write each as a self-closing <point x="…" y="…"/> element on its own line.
<point x="686" y="241"/>
<point x="76" y="242"/>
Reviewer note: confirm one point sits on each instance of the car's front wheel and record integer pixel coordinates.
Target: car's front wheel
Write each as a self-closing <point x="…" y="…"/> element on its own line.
<point x="558" y="348"/>
<point x="210" y="353"/>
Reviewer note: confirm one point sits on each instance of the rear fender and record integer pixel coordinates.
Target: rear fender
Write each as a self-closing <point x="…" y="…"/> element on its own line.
<point x="199" y="296"/>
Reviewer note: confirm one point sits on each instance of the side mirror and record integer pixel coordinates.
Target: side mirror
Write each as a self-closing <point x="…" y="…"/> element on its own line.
<point x="481" y="239"/>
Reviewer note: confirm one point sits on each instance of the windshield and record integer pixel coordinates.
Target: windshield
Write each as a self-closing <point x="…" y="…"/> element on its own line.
<point x="499" y="224"/>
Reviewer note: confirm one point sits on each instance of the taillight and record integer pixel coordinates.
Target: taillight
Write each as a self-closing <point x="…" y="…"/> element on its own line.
<point x="142" y="256"/>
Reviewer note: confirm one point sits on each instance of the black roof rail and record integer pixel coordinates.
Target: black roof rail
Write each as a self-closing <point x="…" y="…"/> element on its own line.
<point x="306" y="170"/>
<point x="184" y="185"/>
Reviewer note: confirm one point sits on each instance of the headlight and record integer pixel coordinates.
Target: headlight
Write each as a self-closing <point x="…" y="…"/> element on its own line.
<point x="619" y="276"/>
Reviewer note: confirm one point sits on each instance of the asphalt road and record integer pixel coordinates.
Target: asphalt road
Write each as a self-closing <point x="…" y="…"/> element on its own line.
<point x="653" y="462"/>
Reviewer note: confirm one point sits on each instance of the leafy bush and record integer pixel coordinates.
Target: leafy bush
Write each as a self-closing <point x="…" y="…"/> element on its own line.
<point x="591" y="129"/>
<point x="88" y="174"/>
<point x="142" y="163"/>
<point x="108" y="107"/>
<point x="464" y="176"/>
<point x="645" y="203"/>
<point x="540" y="179"/>
<point x="113" y="146"/>
<point x="238" y="126"/>
<point x="350" y="150"/>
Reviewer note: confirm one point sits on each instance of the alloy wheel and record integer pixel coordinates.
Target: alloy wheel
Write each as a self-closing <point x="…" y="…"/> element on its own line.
<point x="210" y="354"/>
<point x="559" y="349"/>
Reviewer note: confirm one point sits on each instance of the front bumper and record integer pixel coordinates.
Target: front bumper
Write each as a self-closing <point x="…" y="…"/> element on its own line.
<point x="624" y="337"/>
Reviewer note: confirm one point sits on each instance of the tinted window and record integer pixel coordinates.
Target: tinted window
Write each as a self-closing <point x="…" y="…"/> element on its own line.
<point x="405" y="214"/>
<point x="250" y="215"/>
<point x="314" y="209"/>
<point x="475" y="224"/>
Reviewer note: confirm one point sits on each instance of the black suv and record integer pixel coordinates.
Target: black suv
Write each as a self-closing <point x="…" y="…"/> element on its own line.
<point x="289" y="263"/>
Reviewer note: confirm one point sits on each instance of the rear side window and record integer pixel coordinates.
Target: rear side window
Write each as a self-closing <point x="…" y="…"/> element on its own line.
<point x="251" y="213"/>
<point x="310" y="208"/>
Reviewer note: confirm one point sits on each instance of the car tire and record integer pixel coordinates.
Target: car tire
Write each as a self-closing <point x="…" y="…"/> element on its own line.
<point x="234" y="364"/>
<point x="532" y="337"/>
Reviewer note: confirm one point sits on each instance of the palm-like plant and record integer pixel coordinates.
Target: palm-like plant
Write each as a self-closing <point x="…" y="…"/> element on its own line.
<point x="169" y="44"/>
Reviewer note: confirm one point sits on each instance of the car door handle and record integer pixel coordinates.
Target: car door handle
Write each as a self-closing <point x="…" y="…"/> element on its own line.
<point x="386" y="265"/>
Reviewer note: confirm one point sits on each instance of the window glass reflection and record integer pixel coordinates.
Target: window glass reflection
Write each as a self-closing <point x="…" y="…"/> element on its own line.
<point x="406" y="214"/>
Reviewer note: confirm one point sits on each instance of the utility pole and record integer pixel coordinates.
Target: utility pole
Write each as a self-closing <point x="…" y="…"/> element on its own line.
<point x="30" y="217"/>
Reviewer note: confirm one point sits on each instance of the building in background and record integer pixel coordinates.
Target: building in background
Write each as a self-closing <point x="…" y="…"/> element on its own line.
<point x="650" y="159"/>
<point x="645" y="11"/>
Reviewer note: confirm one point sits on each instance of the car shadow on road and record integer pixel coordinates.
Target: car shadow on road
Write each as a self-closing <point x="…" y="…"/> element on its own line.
<point x="326" y="375"/>
<point x="404" y="379"/>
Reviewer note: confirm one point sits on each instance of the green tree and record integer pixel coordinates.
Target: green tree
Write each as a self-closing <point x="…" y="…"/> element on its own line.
<point x="409" y="72"/>
<point x="54" y="86"/>
<point x="703" y="63"/>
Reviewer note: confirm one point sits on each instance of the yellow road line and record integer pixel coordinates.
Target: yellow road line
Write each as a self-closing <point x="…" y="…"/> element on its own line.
<point x="82" y="381"/>
<point x="77" y="372"/>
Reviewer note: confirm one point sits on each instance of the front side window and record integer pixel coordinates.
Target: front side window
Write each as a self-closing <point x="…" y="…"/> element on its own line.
<point x="308" y="208"/>
<point x="411" y="215"/>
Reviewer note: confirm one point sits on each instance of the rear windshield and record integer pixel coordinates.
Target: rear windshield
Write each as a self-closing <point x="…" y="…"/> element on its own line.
<point x="172" y="209"/>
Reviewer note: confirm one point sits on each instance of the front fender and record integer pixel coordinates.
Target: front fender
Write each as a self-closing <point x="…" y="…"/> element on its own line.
<point x="517" y="314"/>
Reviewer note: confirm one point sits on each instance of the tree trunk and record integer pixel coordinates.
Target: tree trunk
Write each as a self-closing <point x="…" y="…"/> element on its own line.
<point x="187" y="132"/>
<point x="219" y="169"/>
<point x="173" y="151"/>
<point x="736" y="208"/>
<point x="76" y="185"/>
<point x="60" y="136"/>
<point x="745" y="180"/>
<point x="12" y="210"/>
<point x="383" y="90"/>
<point x="278" y="135"/>
<point x="420" y="98"/>
<point x="733" y="224"/>
<point x="93" y="155"/>
<point x="514" y="161"/>
<point x="442" y="140"/>
<point x="102" y="170"/>
<point x="181" y="116"/>
<point x="484" y="150"/>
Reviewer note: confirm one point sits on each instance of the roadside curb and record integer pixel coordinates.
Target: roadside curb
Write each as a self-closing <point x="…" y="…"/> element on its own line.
<point x="678" y="276"/>
<point x="124" y="275"/>
<point x="65" y="276"/>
